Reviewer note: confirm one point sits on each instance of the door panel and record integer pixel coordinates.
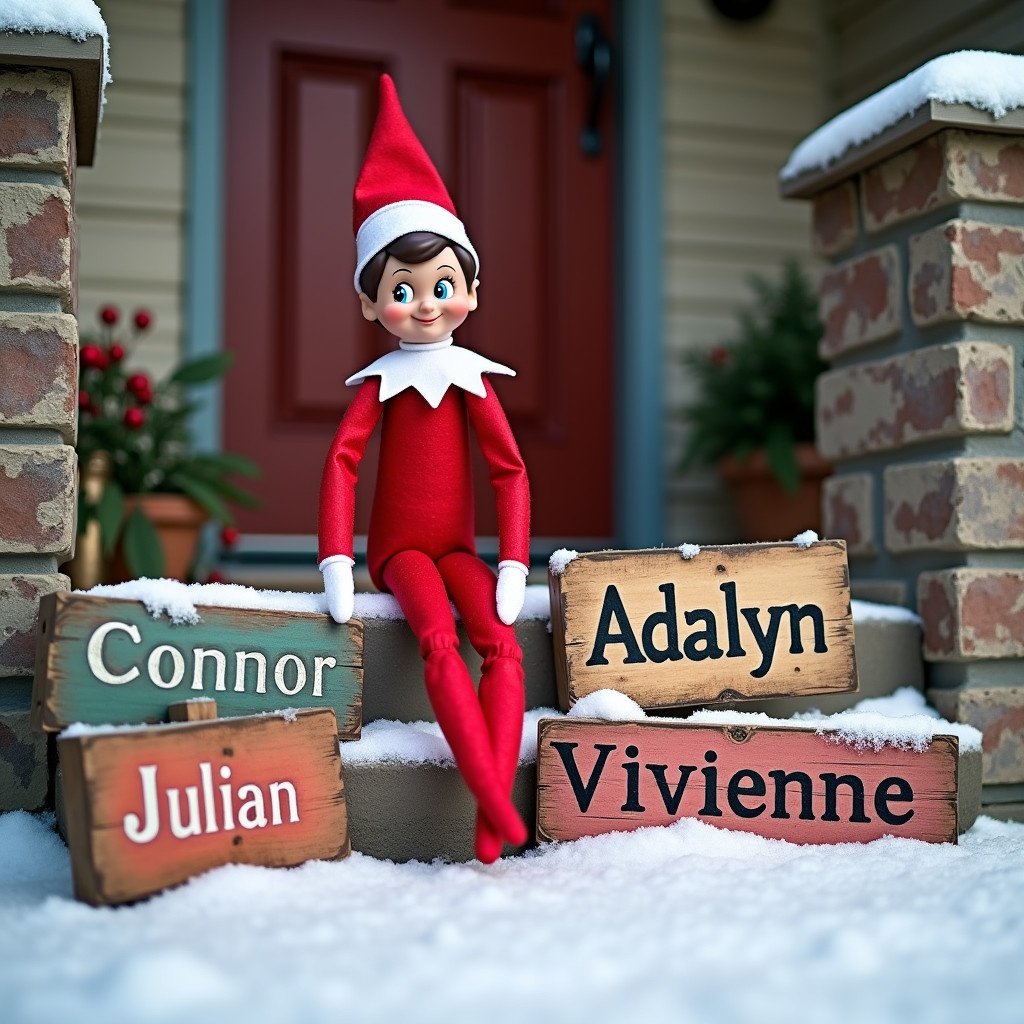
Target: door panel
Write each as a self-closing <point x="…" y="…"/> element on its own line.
<point x="492" y="90"/>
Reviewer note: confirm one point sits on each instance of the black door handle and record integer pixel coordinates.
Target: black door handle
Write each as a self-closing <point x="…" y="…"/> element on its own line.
<point x="594" y="57"/>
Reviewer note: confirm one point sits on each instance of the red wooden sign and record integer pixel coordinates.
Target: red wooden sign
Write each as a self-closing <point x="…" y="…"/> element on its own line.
<point x="148" y="808"/>
<point x="596" y="776"/>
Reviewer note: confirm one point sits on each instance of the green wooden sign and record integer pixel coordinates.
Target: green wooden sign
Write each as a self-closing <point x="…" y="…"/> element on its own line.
<point x="109" y="661"/>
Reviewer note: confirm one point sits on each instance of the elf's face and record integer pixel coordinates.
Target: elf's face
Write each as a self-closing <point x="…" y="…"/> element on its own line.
<point x="422" y="302"/>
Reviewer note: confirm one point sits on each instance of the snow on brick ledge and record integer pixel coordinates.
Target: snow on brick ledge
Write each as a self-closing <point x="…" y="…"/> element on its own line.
<point x="76" y="19"/>
<point x="988" y="81"/>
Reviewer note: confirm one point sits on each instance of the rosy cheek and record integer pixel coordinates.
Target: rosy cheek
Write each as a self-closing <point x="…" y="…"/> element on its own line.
<point x="457" y="307"/>
<point x="395" y="313"/>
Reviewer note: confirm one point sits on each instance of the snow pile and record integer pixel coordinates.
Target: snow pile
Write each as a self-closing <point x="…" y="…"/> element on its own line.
<point x="180" y="601"/>
<point x="689" y="551"/>
<point x="806" y="539"/>
<point x="675" y="925"/>
<point x="388" y="742"/>
<point x="869" y="611"/>
<point x="985" y="80"/>
<point x="560" y="559"/>
<point x="608" y="705"/>
<point x="76" y="19"/>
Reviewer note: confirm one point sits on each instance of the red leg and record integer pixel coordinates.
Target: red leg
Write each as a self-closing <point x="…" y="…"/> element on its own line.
<point x="417" y="585"/>
<point x="471" y="584"/>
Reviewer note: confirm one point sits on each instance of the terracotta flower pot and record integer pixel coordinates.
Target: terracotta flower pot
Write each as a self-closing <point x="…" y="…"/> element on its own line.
<point x="178" y="521"/>
<point x="767" y="511"/>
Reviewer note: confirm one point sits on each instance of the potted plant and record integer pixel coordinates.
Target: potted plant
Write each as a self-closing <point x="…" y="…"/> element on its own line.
<point x="754" y="416"/>
<point x="145" y="491"/>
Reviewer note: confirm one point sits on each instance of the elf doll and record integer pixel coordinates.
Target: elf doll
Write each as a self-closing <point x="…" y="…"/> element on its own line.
<point x="417" y="275"/>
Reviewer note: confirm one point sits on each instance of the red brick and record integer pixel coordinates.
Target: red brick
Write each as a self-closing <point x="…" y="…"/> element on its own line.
<point x="19" y="612"/>
<point x="998" y="713"/>
<point x="970" y="614"/>
<point x="905" y="185"/>
<point x="36" y="240"/>
<point x="967" y="270"/>
<point x="39" y="355"/>
<point x="860" y="301"/>
<point x="35" y="120"/>
<point x="947" y="168"/>
<point x="945" y="391"/>
<point x="834" y="220"/>
<point x="847" y="511"/>
<point x="37" y="499"/>
<point x="961" y="504"/>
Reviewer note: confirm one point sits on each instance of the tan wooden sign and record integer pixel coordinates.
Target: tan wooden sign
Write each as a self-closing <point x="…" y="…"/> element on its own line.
<point x="103" y="660"/>
<point x="150" y="807"/>
<point x="730" y="623"/>
<point x="782" y="783"/>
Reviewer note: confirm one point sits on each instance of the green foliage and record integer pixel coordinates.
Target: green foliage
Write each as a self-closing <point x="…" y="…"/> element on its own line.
<point x="144" y="430"/>
<point x="757" y="391"/>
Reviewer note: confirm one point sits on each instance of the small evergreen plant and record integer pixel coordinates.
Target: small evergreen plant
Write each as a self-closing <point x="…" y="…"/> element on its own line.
<point x="757" y="391"/>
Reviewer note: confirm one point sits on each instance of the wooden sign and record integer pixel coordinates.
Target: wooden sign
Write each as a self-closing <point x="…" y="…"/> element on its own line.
<point x="731" y="623"/>
<point x="148" y="808"/>
<point x="101" y="660"/>
<point x="793" y="784"/>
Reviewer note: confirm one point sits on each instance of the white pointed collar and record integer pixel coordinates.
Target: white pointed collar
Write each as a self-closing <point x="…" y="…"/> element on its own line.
<point x="430" y="369"/>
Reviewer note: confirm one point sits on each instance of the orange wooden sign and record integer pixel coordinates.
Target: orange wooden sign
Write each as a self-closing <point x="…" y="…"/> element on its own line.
<point x="794" y="784"/>
<point x="148" y="808"/>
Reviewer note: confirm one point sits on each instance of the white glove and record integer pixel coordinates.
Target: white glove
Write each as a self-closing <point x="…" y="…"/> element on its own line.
<point x="338" y="586"/>
<point x="511" y="590"/>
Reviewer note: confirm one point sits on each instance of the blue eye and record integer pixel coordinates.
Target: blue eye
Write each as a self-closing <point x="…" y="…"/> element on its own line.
<point x="402" y="293"/>
<point x="443" y="289"/>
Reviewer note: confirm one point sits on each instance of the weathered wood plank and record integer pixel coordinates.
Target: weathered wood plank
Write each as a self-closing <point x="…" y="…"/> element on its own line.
<point x="102" y="661"/>
<point x="201" y="709"/>
<point x="793" y="784"/>
<point x="149" y="808"/>
<point x="732" y="623"/>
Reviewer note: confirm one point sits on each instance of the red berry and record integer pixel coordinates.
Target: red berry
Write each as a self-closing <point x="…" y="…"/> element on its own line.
<point x="138" y="384"/>
<point x="229" y="536"/>
<point x="84" y="401"/>
<point x="143" y="319"/>
<point x="93" y="357"/>
<point x="110" y="315"/>
<point x="134" y="418"/>
<point x="116" y="352"/>
<point x="719" y="355"/>
<point x="215" y="576"/>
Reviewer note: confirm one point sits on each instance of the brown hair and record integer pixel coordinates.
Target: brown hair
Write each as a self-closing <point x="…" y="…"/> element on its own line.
<point x="415" y="247"/>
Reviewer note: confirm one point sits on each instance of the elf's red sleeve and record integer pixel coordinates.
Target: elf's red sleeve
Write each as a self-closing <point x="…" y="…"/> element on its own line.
<point x="338" y="484"/>
<point x="507" y="473"/>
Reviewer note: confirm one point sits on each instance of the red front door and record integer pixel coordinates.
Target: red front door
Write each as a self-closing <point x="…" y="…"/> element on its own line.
<point x="493" y="90"/>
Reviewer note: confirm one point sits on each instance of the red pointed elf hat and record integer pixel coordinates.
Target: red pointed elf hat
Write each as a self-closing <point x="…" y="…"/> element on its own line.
<point x="399" y="189"/>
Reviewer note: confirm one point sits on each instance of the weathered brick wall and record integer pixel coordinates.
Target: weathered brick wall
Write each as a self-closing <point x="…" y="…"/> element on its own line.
<point x="921" y="412"/>
<point x="38" y="395"/>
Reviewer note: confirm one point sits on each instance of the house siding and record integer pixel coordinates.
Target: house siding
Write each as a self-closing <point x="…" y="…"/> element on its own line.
<point x="878" y="41"/>
<point x="738" y="97"/>
<point x="130" y="204"/>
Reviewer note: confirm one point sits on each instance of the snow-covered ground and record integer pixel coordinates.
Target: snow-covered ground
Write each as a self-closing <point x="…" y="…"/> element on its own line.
<point x="686" y="923"/>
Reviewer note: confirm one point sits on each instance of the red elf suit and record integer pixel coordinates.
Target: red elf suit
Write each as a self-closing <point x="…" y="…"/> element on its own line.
<point x="420" y="545"/>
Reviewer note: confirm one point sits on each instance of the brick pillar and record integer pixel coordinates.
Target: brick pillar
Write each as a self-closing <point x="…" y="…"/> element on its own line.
<point x="39" y="383"/>
<point x="923" y="309"/>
